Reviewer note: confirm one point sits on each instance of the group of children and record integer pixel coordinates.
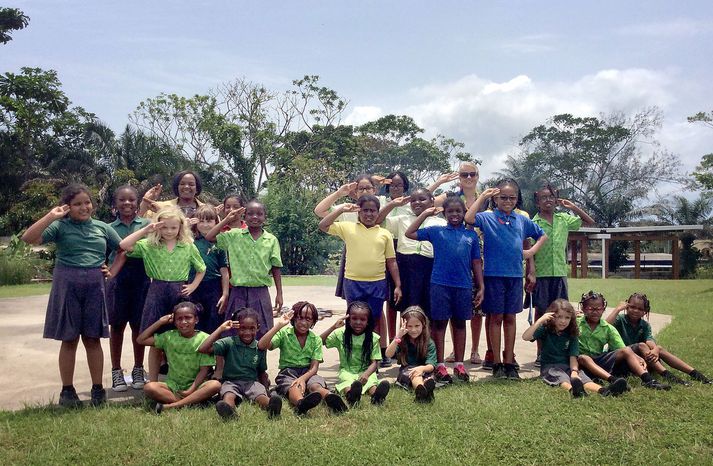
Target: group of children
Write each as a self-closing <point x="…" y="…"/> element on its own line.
<point x="196" y="291"/>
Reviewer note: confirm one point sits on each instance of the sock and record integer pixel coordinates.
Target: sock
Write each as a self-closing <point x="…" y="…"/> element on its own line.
<point x="69" y="387"/>
<point x="611" y="379"/>
<point x="440" y="364"/>
<point x="693" y="373"/>
<point x="666" y="374"/>
<point x="646" y="377"/>
<point x="383" y="353"/>
<point x="97" y="386"/>
<point x="116" y="368"/>
<point x="459" y="363"/>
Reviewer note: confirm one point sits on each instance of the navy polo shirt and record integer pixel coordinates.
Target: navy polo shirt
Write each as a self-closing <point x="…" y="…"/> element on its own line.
<point x="454" y="250"/>
<point x="502" y="244"/>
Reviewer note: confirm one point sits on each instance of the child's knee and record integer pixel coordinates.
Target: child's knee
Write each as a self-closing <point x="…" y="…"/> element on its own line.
<point x="458" y="324"/>
<point x="496" y="319"/>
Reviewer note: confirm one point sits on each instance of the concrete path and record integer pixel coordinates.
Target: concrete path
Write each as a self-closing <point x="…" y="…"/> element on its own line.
<point x="31" y="376"/>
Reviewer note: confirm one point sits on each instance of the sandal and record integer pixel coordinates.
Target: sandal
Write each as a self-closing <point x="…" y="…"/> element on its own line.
<point x="451" y="358"/>
<point x="475" y="358"/>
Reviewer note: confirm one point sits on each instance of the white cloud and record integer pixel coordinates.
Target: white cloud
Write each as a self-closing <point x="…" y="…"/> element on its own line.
<point x="363" y="114"/>
<point x="532" y="43"/>
<point x="679" y="27"/>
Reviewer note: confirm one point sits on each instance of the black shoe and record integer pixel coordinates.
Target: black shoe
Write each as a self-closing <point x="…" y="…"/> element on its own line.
<point x="353" y="396"/>
<point x="670" y="378"/>
<point x="68" y="399"/>
<point x="98" y="397"/>
<point x="307" y="403"/>
<point x="430" y="385"/>
<point x="380" y="393"/>
<point x="697" y="376"/>
<point x="511" y="372"/>
<point x="163" y="369"/>
<point x="158" y="409"/>
<point x="441" y="375"/>
<point x="386" y="362"/>
<point x="656" y="385"/>
<point x="335" y="403"/>
<point x="421" y="394"/>
<point x="618" y="386"/>
<point x="274" y="407"/>
<point x="499" y="371"/>
<point x="578" y="388"/>
<point x="225" y="410"/>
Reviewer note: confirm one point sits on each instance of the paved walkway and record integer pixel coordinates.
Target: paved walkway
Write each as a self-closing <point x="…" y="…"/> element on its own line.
<point x="29" y="363"/>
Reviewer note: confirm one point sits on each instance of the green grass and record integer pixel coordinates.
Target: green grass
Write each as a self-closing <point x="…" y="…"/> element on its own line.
<point x="486" y="422"/>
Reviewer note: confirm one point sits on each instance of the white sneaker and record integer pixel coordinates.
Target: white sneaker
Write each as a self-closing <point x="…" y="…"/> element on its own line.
<point x="118" y="384"/>
<point x="137" y="378"/>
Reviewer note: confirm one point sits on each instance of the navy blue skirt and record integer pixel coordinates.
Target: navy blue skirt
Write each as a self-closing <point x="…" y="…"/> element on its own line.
<point x="207" y="295"/>
<point x="126" y="294"/>
<point x="160" y="300"/>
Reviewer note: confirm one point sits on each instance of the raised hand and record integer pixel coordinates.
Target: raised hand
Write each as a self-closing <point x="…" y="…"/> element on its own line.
<point x="59" y="211"/>
<point x="432" y="211"/>
<point x="350" y="208"/>
<point x="490" y="192"/>
<point x="547" y="316"/>
<point x="235" y="215"/>
<point x="285" y="318"/>
<point x="380" y="180"/>
<point x="402" y="331"/>
<point x="567" y="204"/>
<point x="167" y="319"/>
<point x="447" y="178"/>
<point x="401" y="201"/>
<point x="193" y="221"/>
<point x="341" y="321"/>
<point x="348" y="188"/>
<point x="154" y="193"/>
<point x="155" y="226"/>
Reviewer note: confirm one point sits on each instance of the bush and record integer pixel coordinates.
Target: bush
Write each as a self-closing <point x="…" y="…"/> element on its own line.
<point x="19" y="264"/>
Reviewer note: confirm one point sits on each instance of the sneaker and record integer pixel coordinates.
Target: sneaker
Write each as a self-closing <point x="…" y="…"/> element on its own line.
<point x="274" y="407"/>
<point x="386" y="362"/>
<point x="538" y="361"/>
<point x="697" y="376"/>
<point x="451" y="357"/>
<point x="511" y="372"/>
<point x="118" y="384"/>
<point x="488" y="360"/>
<point x="68" y="399"/>
<point x="461" y="374"/>
<point x="441" y="375"/>
<point x="618" y="386"/>
<point x="430" y="385"/>
<point x="475" y="358"/>
<point x="353" y="396"/>
<point x="499" y="371"/>
<point x="158" y="409"/>
<point x="515" y="363"/>
<point x="421" y="394"/>
<point x="656" y="385"/>
<point x="380" y="393"/>
<point x="335" y="403"/>
<point x="98" y="397"/>
<point x="577" y="388"/>
<point x="307" y="403"/>
<point x="225" y="410"/>
<point x="138" y="380"/>
<point x="670" y="378"/>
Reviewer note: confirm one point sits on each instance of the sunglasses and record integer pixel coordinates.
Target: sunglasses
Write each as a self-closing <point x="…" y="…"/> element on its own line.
<point x="468" y="174"/>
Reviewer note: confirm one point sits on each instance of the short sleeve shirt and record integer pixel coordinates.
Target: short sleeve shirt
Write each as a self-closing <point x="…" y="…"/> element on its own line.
<point x="292" y="354"/>
<point x="184" y="360"/>
<point x="592" y="342"/>
<point x="556" y="348"/>
<point x="630" y="334"/>
<point x="242" y="362"/>
<point x="354" y="216"/>
<point x="353" y="363"/>
<point x="503" y="236"/>
<point x="454" y="250"/>
<point x="214" y="259"/>
<point x="81" y="244"/>
<point x="398" y="224"/>
<point x="251" y="261"/>
<point x="124" y="230"/>
<point x="187" y="211"/>
<point x="551" y="259"/>
<point x="412" y="358"/>
<point x="367" y="250"/>
<point x="170" y="266"/>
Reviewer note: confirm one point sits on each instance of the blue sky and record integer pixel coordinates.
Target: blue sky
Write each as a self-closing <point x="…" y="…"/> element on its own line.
<point x="481" y="72"/>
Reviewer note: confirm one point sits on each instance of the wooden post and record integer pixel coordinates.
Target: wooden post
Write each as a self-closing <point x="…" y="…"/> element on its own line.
<point x="606" y="245"/>
<point x="675" y="260"/>
<point x="573" y="254"/>
<point x="637" y="258"/>
<point x="584" y="258"/>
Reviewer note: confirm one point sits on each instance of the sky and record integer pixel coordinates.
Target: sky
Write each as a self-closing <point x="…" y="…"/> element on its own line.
<point x="484" y="73"/>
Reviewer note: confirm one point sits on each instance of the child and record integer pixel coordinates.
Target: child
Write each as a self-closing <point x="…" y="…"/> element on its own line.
<point x="233" y="202"/>
<point x="244" y="373"/>
<point x="126" y="292"/>
<point x="456" y="252"/>
<point x="212" y="293"/>
<point x="636" y="333"/>
<point x="557" y="331"/>
<point x="551" y="261"/>
<point x="168" y="253"/>
<point x="416" y="353"/>
<point x="504" y="232"/>
<point x="186" y="382"/>
<point x="300" y="355"/>
<point x="370" y="251"/>
<point x="254" y="255"/>
<point x="595" y="333"/>
<point x="358" y="354"/>
<point x="76" y="306"/>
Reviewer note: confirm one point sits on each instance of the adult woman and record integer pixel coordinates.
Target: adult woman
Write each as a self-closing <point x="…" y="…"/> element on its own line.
<point x="186" y="186"/>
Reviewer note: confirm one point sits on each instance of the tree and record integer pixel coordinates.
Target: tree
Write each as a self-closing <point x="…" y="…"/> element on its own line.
<point x="11" y="19"/>
<point x="704" y="171"/>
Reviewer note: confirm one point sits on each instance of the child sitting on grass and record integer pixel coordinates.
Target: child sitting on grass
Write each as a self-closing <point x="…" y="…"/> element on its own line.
<point x="636" y="334"/>
<point x="557" y="333"/>
<point x="186" y="382"/>
<point x="244" y="372"/>
<point x="300" y="355"/>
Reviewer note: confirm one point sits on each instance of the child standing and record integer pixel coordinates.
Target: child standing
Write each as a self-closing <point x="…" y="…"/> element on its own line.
<point x="358" y="354"/>
<point x="595" y="333"/>
<point x="254" y="256"/>
<point x="416" y="353"/>
<point x="504" y="232"/>
<point x="233" y="202"/>
<point x="168" y="253"/>
<point x="245" y="367"/>
<point x="300" y="355"/>
<point x="186" y="382"/>
<point x="126" y="292"/>
<point x="456" y="252"/>
<point x="557" y="331"/>
<point x="551" y="260"/>
<point x="212" y="293"/>
<point x="636" y="333"/>
<point x="77" y="306"/>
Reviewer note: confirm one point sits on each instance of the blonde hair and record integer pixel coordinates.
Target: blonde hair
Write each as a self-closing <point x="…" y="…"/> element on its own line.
<point x="171" y="213"/>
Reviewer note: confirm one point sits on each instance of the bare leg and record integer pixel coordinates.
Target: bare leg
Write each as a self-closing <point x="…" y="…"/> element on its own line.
<point x="592" y="387"/>
<point x="67" y="358"/>
<point x="566" y="385"/>
<point x="391" y="318"/>
<point x="416" y="381"/>
<point x="315" y="387"/>
<point x="155" y="356"/>
<point x="587" y="363"/>
<point x="673" y="361"/>
<point x="632" y="360"/>
<point x="262" y="401"/>
<point x="509" y="328"/>
<point x="160" y="392"/>
<point x="95" y="358"/>
<point x="488" y="343"/>
<point x="139" y="350"/>
<point x="230" y="399"/>
<point x="116" y="342"/>
<point x="204" y="392"/>
<point x="496" y="322"/>
<point x="438" y="332"/>
<point x="294" y="395"/>
<point x="476" y="323"/>
<point x="459" y="337"/>
<point x="380" y="328"/>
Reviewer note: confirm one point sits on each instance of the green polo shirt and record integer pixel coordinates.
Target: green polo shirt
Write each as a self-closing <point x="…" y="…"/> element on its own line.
<point x="353" y="363"/>
<point x="251" y="261"/>
<point x="292" y="354"/>
<point x="630" y="334"/>
<point x="592" y="342"/>
<point x="551" y="259"/>
<point x="81" y="244"/>
<point x="242" y="362"/>
<point x="170" y="266"/>
<point x="214" y="259"/>
<point x="556" y="348"/>
<point x="124" y="230"/>
<point x="412" y="358"/>
<point x="184" y="360"/>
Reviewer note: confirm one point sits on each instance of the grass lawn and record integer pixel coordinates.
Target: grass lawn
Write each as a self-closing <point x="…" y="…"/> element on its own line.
<point x="487" y="422"/>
